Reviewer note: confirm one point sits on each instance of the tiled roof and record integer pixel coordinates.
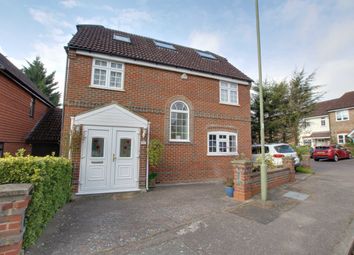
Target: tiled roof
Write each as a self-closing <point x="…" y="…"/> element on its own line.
<point x="320" y="134"/>
<point x="345" y="101"/>
<point x="48" y="128"/>
<point x="11" y="70"/>
<point x="99" y="39"/>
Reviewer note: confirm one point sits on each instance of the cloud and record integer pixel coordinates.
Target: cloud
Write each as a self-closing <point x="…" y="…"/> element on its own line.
<point x="122" y="19"/>
<point x="205" y="41"/>
<point x="69" y="3"/>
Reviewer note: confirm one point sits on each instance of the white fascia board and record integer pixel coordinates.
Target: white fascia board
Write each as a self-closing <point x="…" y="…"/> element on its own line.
<point x="316" y="117"/>
<point x="158" y="66"/>
<point x="341" y="109"/>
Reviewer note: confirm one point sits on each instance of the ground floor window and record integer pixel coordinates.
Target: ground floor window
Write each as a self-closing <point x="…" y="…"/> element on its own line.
<point x="222" y="143"/>
<point x="341" y="138"/>
<point x="1" y="150"/>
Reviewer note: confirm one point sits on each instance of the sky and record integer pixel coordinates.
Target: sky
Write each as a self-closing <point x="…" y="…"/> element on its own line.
<point x="317" y="35"/>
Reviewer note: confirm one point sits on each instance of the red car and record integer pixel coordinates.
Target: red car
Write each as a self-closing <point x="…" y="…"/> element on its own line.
<point x="332" y="152"/>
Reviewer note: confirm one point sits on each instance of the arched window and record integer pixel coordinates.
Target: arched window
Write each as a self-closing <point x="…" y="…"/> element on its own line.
<point x="179" y="122"/>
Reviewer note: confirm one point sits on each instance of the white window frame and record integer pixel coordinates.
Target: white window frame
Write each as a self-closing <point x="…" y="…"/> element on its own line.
<point x="188" y="120"/>
<point x="218" y="153"/>
<point x="338" y="135"/>
<point x="108" y="70"/>
<point x="228" y="101"/>
<point x="323" y="122"/>
<point x="340" y="115"/>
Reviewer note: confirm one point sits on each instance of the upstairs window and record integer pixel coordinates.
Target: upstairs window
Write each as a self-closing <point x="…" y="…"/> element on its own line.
<point x="164" y="45"/>
<point x="228" y="93"/>
<point x="31" y="107"/>
<point x="179" y="122"/>
<point x="107" y="74"/>
<point x="323" y="122"/>
<point x="222" y="143"/>
<point x="342" y="115"/>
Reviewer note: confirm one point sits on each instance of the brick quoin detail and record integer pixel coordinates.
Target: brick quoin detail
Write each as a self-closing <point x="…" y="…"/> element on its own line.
<point x="248" y="183"/>
<point x="14" y="199"/>
<point x="148" y="92"/>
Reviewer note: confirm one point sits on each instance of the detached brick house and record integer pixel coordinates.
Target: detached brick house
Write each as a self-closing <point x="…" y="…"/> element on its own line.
<point x="332" y="121"/>
<point x="22" y="107"/>
<point x="123" y="90"/>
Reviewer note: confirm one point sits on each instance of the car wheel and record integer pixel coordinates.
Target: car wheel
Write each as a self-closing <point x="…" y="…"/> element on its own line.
<point x="335" y="158"/>
<point x="316" y="159"/>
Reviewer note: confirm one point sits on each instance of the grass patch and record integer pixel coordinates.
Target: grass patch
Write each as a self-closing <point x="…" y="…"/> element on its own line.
<point x="304" y="170"/>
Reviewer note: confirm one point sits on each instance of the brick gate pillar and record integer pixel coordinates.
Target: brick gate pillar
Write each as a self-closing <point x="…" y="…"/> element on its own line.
<point x="242" y="179"/>
<point x="289" y="163"/>
<point x="14" y="199"/>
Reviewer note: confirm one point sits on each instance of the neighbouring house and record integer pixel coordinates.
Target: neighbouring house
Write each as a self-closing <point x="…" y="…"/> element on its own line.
<point x="23" y="106"/>
<point x="332" y="121"/>
<point x="123" y="90"/>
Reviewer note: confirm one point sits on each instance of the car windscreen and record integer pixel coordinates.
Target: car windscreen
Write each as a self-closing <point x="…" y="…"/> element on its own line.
<point x="322" y="148"/>
<point x="283" y="149"/>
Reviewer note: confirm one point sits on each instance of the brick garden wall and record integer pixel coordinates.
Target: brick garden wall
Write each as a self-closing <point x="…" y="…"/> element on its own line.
<point x="149" y="92"/>
<point x="248" y="183"/>
<point x="15" y="122"/>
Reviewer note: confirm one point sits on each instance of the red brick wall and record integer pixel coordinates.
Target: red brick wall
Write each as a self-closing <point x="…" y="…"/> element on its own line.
<point x="148" y="92"/>
<point x="15" y="122"/>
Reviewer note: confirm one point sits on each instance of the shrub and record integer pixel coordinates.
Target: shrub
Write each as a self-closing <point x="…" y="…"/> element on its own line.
<point x="155" y="152"/>
<point x="51" y="179"/>
<point x="302" y="150"/>
<point x="305" y="170"/>
<point x="268" y="161"/>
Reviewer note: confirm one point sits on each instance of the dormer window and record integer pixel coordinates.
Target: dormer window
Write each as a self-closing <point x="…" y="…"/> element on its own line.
<point x="205" y="54"/>
<point x="122" y="38"/>
<point x="164" y="45"/>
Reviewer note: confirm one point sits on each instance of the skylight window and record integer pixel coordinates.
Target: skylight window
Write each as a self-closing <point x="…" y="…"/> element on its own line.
<point x="164" y="45"/>
<point x="121" y="38"/>
<point x="205" y="54"/>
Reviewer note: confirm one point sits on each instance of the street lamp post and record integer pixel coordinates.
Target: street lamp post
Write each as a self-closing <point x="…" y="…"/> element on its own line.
<point x="261" y="117"/>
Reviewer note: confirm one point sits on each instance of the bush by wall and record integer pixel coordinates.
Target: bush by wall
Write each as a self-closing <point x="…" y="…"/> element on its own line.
<point x="51" y="177"/>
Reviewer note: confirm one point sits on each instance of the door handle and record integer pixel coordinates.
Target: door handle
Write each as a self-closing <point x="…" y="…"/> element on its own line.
<point x="114" y="157"/>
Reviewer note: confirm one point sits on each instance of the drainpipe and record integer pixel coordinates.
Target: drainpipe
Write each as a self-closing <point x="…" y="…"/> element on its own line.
<point x="72" y="120"/>
<point x="147" y="157"/>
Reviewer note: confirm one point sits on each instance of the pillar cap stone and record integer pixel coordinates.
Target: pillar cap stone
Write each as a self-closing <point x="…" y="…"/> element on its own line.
<point x="18" y="189"/>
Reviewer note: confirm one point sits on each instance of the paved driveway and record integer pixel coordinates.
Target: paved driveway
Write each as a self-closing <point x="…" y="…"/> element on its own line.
<point x="197" y="219"/>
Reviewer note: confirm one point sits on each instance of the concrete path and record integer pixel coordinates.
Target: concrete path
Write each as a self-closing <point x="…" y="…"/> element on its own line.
<point x="199" y="219"/>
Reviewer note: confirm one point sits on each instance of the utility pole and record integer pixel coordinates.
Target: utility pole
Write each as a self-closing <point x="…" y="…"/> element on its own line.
<point x="261" y="117"/>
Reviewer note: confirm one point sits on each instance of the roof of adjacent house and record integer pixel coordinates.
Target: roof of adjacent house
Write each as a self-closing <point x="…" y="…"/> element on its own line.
<point x="345" y="101"/>
<point x="48" y="128"/>
<point x="99" y="39"/>
<point x="15" y="74"/>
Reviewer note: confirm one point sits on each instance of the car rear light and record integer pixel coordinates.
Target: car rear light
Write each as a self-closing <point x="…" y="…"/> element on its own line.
<point x="278" y="156"/>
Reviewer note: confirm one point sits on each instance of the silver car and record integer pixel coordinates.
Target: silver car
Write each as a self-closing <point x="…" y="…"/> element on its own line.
<point x="277" y="151"/>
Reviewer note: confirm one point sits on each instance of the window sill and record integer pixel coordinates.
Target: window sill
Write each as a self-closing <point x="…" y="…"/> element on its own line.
<point x="341" y="120"/>
<point x="222" y="154"/>
<point x="179" y="141"/>
<point x="229" y="104"/>
<point x="105" y="88"/>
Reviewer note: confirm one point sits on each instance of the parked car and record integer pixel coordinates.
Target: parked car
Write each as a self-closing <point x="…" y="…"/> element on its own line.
<point x="332" y="152"/>
<point x="277" y="151"/>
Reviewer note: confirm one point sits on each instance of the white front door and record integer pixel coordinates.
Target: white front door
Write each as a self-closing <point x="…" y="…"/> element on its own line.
<point x="109" y="160"/>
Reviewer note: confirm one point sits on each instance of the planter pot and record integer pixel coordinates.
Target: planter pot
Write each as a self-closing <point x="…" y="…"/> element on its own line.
<point x="152" y="183"/>
<point x="229" y="191"/>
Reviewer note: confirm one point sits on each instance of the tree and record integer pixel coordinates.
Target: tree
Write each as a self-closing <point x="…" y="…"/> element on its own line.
<point x="286" y="103"/>
<point x="302" y="97"/>
<point x="37" y="73"/>
<point x="274" y="95"/>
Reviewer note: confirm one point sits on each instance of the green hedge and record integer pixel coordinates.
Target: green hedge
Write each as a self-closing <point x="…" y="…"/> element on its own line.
<point x="51" y="178"/>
